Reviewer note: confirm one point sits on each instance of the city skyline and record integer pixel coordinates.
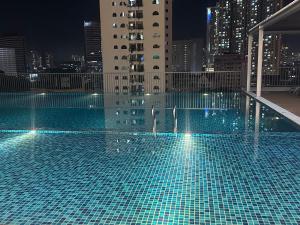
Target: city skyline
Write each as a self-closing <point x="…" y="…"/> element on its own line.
<point x="59" y="29"/>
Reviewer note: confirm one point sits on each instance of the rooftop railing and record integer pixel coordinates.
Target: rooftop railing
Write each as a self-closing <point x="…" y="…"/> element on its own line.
<point x="284" y="77"/>
<point x="122" y="82"/>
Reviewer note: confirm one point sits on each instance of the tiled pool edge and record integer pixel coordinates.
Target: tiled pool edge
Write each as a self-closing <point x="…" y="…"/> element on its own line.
<point x="291" y="116"/>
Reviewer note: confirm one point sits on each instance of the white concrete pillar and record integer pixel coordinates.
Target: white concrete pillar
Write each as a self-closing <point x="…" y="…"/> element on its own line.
<point x="247" y="113"/>
<point x="260" y="61"/>
<point x="249" y="66"/>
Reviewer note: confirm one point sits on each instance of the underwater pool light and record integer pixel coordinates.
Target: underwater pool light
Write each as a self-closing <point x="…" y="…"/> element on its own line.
<point x="33" y="132"/>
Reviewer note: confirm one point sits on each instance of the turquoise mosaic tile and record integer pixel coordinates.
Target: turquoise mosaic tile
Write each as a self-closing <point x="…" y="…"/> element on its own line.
<point x="141" y="178"/>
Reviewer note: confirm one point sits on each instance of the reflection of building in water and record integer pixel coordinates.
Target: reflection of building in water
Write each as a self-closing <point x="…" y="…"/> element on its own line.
<point x="210" y="100"/>
<point x="132" y="113"/>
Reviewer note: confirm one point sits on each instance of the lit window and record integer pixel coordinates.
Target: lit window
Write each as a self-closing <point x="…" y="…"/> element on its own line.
<point x="155" y="2"/>
<point x="115" y="25"/>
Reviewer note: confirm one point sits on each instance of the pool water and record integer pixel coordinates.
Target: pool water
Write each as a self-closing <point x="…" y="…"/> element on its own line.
<point x="102" y="160"/>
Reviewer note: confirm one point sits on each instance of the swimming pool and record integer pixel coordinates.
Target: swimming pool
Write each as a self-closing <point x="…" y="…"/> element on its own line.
<point x="105" y="159"/>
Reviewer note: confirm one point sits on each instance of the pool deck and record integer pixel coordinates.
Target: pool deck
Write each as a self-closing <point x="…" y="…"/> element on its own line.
<point x="285" y="100"/>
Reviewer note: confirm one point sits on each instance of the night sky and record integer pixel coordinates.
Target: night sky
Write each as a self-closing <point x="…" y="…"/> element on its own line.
<point x="56" y="26"/>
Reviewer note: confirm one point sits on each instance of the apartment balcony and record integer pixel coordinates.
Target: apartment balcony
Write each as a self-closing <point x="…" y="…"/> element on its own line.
<point x="136" y="26"/>
<point x="135" y="3"/>
<point x="137" y="68"/>
<point x="139" y="58"/>
<point x="136" y="15"/>
<point x="136" y="47"/>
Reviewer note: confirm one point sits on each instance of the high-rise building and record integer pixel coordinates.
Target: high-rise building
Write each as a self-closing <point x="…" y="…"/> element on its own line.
<point x="288" y="57"/>
<point x="40" y="62"/>
<point x="35" y="61"/>
<point x="93" y="54"/>
<point x="229" y="62"/>
<point x="228" y="26"/>
<point x="188" y="55"/>
<point x="8" y="60"/>
<point x="79" y="58"/>
<point x="16" y="42"/>
<point x="137" y="43"/>
<point x="48" y="61"/>
<point x="212" y="36"/>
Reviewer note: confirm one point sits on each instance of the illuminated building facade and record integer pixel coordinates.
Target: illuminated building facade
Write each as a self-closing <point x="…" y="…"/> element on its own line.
<point x="228" y="25"/>
<point x="16" y="42"/>
<point x="8" y="61"/>
<point x="188" y="55"/>
<point x="136" y="43"/>
<point x="93" y="53"/>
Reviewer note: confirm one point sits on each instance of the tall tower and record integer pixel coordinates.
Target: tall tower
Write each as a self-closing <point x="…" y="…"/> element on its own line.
<point x="35" y="61"/>
<point x="212" y="40"/>
<point x="228" y="26"/>
<point x="136" y="44"/>
<point x="259" y="10"/>
<point x="188" y="55"/>
<point x="93" y="54"/>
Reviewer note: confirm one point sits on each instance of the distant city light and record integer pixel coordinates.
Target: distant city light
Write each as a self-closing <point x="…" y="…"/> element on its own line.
<point x="209" y="14"/>
<point x="33" y="77"/>
<point x="87" y="24"/>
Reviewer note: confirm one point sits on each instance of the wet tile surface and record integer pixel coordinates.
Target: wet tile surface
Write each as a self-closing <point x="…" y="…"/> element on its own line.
<point x="123" y="178"/>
